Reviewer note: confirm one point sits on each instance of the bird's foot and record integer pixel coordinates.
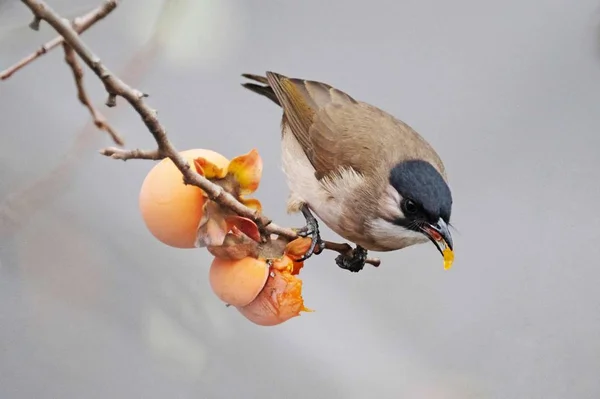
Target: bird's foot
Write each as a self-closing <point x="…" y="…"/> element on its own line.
<point x="311" y="229"/>
<point x="353" y="261"/>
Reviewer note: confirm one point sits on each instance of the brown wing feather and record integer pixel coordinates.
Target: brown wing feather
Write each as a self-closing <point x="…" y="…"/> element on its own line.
<point x="328" y="124"/>
<point x="336" y="131"/>
<point x="350" y="135"/>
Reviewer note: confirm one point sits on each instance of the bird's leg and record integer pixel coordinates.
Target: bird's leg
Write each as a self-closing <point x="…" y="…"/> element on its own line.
<point x="311" y="229"/>
<point x="354" y="261"/>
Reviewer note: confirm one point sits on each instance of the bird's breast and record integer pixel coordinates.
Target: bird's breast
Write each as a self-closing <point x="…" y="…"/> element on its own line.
<point x="342" y="202"/>
<point x="330" y="199"/>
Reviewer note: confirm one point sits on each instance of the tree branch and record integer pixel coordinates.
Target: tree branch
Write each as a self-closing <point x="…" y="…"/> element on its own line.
<point x="98" y="118"/>
<point x="17" y="207"/>
<point x="80" y="25"/>
<point x="117" y="88"/>
<point x="124" y="155"/>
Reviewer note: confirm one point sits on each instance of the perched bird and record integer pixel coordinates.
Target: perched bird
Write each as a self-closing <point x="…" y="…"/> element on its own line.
<point x="367" y="175"/>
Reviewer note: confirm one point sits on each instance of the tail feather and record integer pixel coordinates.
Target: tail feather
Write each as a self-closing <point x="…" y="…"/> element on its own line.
<point x="256" y="78"/>
<point x="266" y="90"/>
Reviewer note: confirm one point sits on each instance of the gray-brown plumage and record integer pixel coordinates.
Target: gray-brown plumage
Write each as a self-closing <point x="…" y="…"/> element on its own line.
<point x="355" y="165"/>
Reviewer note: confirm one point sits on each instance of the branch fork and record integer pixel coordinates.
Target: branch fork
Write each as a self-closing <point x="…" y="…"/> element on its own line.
<point x="72" y="45"/>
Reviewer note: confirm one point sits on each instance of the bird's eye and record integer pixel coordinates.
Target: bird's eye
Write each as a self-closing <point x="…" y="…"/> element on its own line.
<point x="410" y="208"/>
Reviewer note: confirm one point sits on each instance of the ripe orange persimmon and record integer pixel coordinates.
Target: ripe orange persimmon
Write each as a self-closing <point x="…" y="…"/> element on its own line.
<point x="171" y="209"/>
<point x="279" y="300"/>
<point x="238" y="282"/>
<point x="263" y="287"/>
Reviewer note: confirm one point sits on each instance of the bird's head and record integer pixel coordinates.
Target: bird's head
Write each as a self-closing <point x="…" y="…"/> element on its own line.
<point x="415" y="207"/>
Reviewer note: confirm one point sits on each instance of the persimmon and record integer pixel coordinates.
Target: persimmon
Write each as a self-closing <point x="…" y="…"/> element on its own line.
<point x="278" y="301"/>
<point x="171" y="209"/>
<point x="238" y="281"/>
<point x="174" y="212"/>
<point x="263" y="285"/>
<point x="256" y="275"/>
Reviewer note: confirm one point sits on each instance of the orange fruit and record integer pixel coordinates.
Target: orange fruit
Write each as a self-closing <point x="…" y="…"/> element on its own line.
<point x="280" y="300"/>
<point x="238" y="282"/>
<point x="171" y="209"/>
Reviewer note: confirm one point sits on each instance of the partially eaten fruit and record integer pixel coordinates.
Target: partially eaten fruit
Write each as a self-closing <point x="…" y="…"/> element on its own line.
<point x="265" y="299"/>
<point x="448" y="258"/>
<point x="280" y="300"/>
<point x="256" y="275"/>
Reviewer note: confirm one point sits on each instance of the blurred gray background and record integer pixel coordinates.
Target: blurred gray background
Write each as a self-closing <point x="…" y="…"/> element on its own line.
<point x="92" y="306"/>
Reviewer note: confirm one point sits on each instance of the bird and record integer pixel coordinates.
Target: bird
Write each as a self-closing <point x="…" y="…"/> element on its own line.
<point x="368" y="176"/>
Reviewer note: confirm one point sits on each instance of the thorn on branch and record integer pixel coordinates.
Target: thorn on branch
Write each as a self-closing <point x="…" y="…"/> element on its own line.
<point x="35" y="24"/>
<point x="111" y="101"/>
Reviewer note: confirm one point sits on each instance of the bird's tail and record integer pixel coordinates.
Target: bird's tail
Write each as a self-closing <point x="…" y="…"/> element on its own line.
<point x="263" y="89"/>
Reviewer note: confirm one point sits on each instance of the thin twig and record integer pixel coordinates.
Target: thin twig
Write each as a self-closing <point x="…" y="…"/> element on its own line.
<point x="80" y="25"/>
<point x="19" y="206"/>
<point x="124" y="155"/>
<point x="117" y="88"/>
<point x="98" y="118"/>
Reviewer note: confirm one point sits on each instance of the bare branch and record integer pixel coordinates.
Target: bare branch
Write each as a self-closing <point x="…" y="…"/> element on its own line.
<point x="124" y="155"/>
<point x="98" y="118"/>
<point x="116" y="87"/>
<point x="17" y="207"/>
<point x="80" y="24"/>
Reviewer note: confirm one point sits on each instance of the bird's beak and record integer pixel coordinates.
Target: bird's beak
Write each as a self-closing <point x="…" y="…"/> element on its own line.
<point x="439" y="234"/>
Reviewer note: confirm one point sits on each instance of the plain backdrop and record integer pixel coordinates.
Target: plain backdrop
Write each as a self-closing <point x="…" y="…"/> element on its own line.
<point x="92" y="306"/>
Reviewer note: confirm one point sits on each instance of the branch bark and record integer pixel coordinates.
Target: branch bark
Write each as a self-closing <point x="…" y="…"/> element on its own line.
<point x="17" y="207"/>
<point x="80" y="25"/>
<point x="124" y="155"/>
<point x="99" y="119"/>
<point x="115" y="87"/>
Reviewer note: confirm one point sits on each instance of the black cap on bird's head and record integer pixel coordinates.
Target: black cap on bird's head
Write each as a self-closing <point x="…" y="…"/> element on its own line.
<point x="426" y="200"/>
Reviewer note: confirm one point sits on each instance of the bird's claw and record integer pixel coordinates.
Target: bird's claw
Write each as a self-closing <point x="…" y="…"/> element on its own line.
<point x="311" y="229"/>
<point x="353" y="262"/>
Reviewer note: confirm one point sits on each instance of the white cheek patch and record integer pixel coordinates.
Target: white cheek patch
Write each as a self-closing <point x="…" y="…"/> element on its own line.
<point x="390" y="205"/>
<point x="393" y="236"/>
<point x="384" y="228"/>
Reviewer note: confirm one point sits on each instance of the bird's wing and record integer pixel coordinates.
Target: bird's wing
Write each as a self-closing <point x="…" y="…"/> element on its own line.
<point x="334" y="130"/>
